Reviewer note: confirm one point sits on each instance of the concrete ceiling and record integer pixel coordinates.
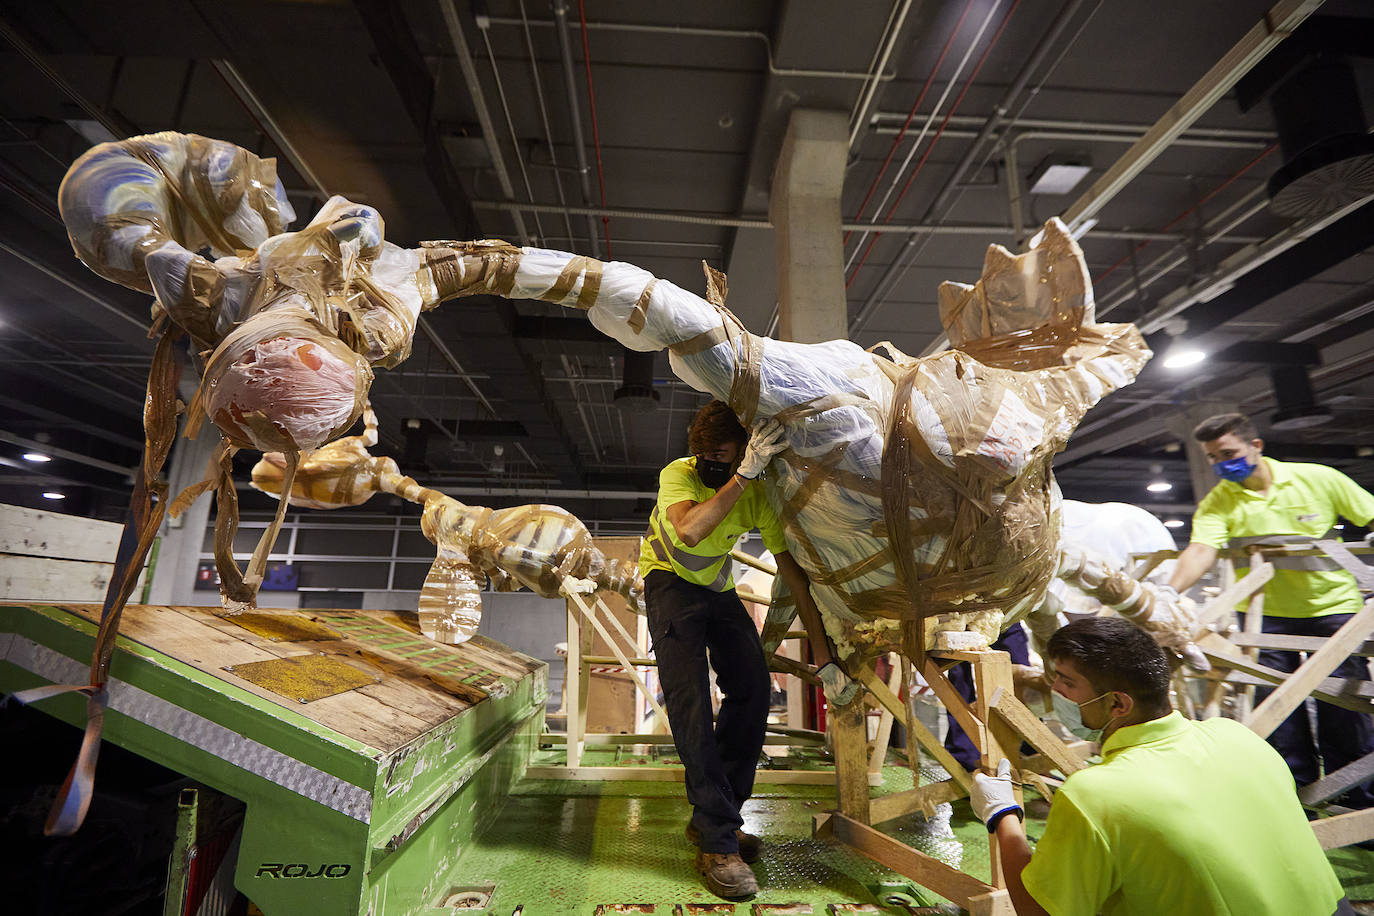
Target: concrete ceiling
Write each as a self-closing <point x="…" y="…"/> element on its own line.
<point x="455" y="120"/>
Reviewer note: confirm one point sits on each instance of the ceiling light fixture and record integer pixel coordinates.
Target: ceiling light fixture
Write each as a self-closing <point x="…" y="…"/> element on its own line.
<point x="36" y="457"/>
<point x="1181" y="356"/>
<point x="1174" y="523"/>
<point x="53" y="494"/>
<point x="1059" y="174"/>
<point x="1157" y="482"/>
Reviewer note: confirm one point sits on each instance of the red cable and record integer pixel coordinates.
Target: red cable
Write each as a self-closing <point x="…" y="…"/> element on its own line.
<point x="1001" y="27"/>
<point x="1175" y="221"/>
<point x="901" y="134"/>
<point x="596" y="132"/>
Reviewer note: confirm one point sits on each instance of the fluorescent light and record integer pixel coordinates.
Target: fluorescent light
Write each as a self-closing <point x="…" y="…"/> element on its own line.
<point x="1174" y="523"/>
<point x="1159" y="486"/>
<point x="53" y="494"/>
<point x="1182" y="357"/>
<point x="36" y="457"/>
<point x="1058" y="177"/>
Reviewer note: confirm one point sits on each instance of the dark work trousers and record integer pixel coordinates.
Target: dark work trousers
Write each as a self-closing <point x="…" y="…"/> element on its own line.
<point x="1343" y="736"/>
<point x="689" y="625"/>
<point x="1013" y="642"/>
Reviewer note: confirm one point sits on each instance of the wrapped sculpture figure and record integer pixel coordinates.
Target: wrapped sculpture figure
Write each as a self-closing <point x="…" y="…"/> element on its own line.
<point x="916" y="492"/>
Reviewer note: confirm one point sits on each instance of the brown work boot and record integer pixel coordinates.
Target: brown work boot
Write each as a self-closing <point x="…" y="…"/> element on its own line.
<point x="726" y="875"/>
<point x="749" y="845"/>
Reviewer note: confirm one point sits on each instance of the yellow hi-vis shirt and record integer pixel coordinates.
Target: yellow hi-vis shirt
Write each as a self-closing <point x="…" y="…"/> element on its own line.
<point x="1301" y="506"/>
<point x="708" y="563"/>
<point x="1184" y="818"/>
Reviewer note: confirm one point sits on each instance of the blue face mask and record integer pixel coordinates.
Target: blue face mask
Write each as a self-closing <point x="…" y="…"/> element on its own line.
<point x="1234" y="469"/>
<point x="1070" y="715"/>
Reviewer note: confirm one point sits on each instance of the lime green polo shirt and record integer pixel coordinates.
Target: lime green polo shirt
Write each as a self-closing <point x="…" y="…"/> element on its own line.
<point x="1183" y="818"/>
<point x="708" y="563"/>
<point x="1302" y="504"/>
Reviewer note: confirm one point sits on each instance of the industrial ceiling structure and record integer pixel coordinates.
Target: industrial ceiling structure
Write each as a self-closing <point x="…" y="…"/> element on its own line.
<point x="1216" y="158"/>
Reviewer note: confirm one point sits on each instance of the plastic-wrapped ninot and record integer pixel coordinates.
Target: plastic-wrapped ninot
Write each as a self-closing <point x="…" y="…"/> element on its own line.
<point x="916" y="493"/>
<point x="536" y="546"/>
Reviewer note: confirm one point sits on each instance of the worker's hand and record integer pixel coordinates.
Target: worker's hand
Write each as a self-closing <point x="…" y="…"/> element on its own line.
<point x="1174" y="624"/>
<point x="1369" y="539"/>
<point x="840" y="689"/>
<point x="765" y="441"/>
<point x="994" y="797"/>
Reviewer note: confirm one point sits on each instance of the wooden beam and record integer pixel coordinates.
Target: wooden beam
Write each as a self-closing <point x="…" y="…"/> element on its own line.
<point x="1345" y="829"/>
<point x="922" y="734"/>
<point x="925" y="870"/>
<point x="958" y="707"/>
<point x="1334" y="784"/>
<point x="1039" y="763"/>
<point x="877" y="755"/>
<point x="1030" y="727"/>
<point x="1235" y="593"/>
<point x="675" y="774"/>
<point x="1283" y="642"/>
<point x="589" y="614"/>
<point x="1290" y="694"/>
<point x="922" y="798"/>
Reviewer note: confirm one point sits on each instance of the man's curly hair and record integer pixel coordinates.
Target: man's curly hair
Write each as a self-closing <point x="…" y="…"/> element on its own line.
<point x="714" y="426"/>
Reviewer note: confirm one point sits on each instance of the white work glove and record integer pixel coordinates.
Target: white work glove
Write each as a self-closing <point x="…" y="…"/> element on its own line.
<point x="840" y="689"/>
<point x="1369" y="539"/>
<point x="994" y="797"/>
<point x="765" y="441"/>
<point x="1173" y="623"/>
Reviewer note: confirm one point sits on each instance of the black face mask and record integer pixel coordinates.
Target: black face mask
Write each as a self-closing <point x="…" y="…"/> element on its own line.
<point x="715" y="474"/>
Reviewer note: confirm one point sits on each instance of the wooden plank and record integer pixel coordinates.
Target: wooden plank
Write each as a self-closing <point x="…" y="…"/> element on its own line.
<point x="878" y="754"/>
<point x="1338" y="551"/>
<point x="1254" y="613"/>
<point x="575" y="688"/>
<point x="1285" y="643"/>
<point x="925" y="870"/>
<point x="956" y="704"/>
<point x="922" y="735"/>
<point x="1347" y="693"/>
<point x="1039" y="763"/>
<point x="675" y="774"/>
<point x="922" y="798"/>
<point x="662" y="740"/>
<point x="1334" y="784"/>
<point x="1344" y="829"/>
<point x="35" y="533"/>
<point x="1235" y="593"/>
<point x="1037" y="733"/>
<point x="1290" y="694"/>
<point x="848" y="726"/>
<point x="992" y="680"/>
<point x="46" y="580"/>
<point x="589" y="614"/>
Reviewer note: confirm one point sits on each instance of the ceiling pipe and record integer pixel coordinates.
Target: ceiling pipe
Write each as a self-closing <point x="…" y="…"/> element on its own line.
<point x="1278" y="23"/>
<point x="667" y="216"/>
<point x="114" y="123"/>
<point x="55" y="452"/>
<point x="895" y="24"/>
<point x="458" y="41"/>
<point x="239" y="86"/>
<point x="1018" y="85"/>
<point x="584" y="173"/>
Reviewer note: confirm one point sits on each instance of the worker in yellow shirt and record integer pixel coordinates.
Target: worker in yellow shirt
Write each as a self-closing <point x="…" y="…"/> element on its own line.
<point x="705" y="502"/>
<point x="1263" y="501"/>
<point x="1180" y="817"/>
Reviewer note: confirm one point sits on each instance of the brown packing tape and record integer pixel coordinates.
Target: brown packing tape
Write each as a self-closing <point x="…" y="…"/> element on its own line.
<point x="699" y="343"/>
<point x="639" y="314"/>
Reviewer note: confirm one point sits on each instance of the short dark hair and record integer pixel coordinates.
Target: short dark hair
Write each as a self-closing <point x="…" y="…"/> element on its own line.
<point x="1223" y="423"/>
<point x="714" y="426"/>
<point x="1114" y="654"/>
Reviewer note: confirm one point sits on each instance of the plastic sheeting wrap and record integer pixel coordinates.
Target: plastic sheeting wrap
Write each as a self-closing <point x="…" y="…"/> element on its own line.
<point x="539" y="547"/>
<point x="913" y="491"/>
<point x="290" y="323"/>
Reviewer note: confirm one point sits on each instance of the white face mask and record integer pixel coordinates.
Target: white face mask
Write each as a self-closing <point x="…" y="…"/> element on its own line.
<point x="1070" y="715"/>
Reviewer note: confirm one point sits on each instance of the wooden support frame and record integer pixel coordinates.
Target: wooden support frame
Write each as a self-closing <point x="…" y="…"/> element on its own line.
<point x="997" y="722"/>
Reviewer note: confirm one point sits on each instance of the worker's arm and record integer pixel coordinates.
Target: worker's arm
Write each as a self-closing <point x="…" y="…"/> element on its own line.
<point x="1016" y="855"/>
<point x="693" y="521"/>
<point x="800" y="586"/>
<point x="1193" y="563"/>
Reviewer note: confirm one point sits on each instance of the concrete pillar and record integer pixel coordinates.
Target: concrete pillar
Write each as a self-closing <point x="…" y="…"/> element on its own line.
<point x="178" y="555"/>
<point x="805" y="211"/>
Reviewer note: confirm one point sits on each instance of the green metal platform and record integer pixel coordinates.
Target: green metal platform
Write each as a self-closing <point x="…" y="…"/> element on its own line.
<point x="405" y="795"/>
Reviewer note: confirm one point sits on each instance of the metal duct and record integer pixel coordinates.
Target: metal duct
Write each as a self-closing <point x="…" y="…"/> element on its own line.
<point x="1298" y="408"/>
<point x="1312" y="91"/>
<point x="637" y="394"/>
